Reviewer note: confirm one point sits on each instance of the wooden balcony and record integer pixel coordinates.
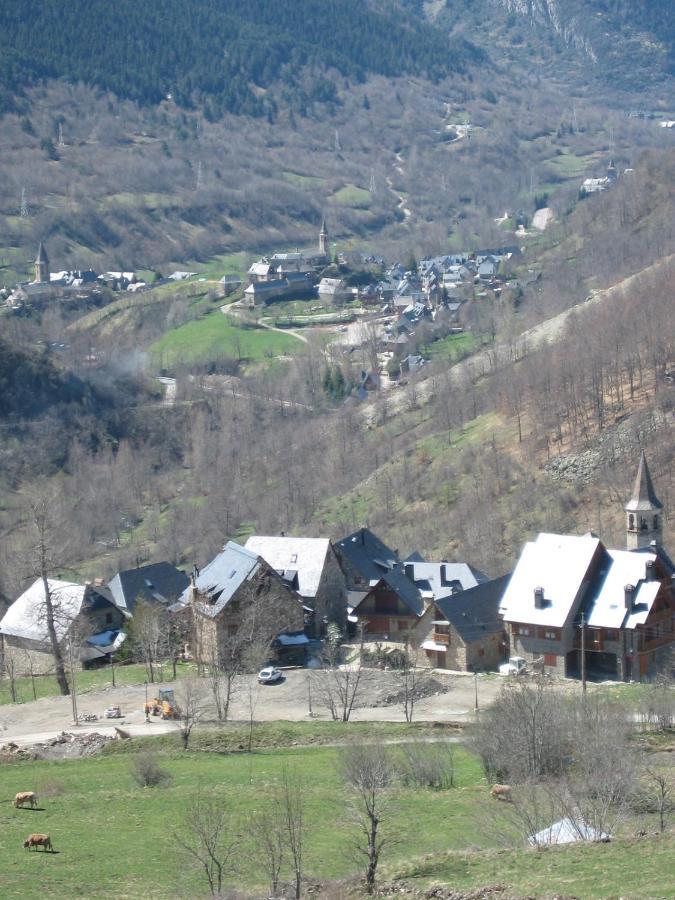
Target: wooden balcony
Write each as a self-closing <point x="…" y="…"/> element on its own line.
<point x="442" y="638"/>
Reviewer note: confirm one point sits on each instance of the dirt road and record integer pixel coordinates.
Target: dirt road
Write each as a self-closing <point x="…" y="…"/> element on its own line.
<point x="41" y="720"/>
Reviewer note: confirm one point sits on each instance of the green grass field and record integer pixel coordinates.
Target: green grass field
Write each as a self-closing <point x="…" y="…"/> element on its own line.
<point x="115" y="839"/>
<point x="452" y="347"/>
<point x="89" y="680"/>
<point x="214" y="336"/>
<point x="351" y="195"/>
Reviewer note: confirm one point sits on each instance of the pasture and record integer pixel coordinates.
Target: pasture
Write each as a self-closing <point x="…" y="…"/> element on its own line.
<point x="114" y="839"/>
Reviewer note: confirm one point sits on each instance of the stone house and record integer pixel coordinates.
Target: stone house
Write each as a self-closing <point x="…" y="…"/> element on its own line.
<point x="463" y="631"/>
<point x="391" y="607"/>
<point x="238" y="600"/>
<point x="566" y="590"/>
<point x="83" y="613"/>
<point x="309" y="566"/>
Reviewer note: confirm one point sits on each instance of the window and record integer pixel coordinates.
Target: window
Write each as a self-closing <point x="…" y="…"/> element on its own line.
<point x="108" y="618"/>
<point x="551" y="635"/>
<point x="631" y="521"/>
<point x="611" y="635"/>
<point x="523" y="630"/>
<point x="656" y="522"/>
<point x="294" y="557"/>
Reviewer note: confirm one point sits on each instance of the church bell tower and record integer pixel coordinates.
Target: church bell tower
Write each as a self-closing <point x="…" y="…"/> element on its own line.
<point x="42" y="265"/>
<point x="323" y="238"/>
<point x="644" y="511"/>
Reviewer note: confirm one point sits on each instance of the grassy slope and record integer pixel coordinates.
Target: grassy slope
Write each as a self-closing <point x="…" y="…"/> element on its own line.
<point x="215" y="335"/>
<point x="112" y="834"/>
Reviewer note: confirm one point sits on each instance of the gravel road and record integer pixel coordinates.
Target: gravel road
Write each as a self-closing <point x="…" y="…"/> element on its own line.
<point x="41" y="720"/>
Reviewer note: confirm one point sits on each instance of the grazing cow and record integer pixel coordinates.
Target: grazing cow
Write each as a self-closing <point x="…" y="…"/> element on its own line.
<point x="25" y="797"/>
<point x="501" y="792"/>
<point x="38" y="840"/>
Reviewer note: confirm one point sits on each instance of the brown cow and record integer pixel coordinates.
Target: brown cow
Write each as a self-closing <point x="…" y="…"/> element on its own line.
<point x="39" y="840"/>
<point x="501" y="792"/>
<point x="25" y="797"/>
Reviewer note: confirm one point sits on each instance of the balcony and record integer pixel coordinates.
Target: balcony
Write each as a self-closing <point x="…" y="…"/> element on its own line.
<point x="442" y="638"/>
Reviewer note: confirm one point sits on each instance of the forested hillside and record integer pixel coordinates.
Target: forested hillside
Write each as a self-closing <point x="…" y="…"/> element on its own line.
<point x="241" y="56"/>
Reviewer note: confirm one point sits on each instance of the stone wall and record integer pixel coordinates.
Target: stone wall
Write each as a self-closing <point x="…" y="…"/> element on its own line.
<point x="331" y="596"/>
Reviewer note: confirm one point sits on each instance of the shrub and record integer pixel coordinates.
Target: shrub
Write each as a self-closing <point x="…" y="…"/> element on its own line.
<point x="429" y="765"/>
<point x="147" y="772"/>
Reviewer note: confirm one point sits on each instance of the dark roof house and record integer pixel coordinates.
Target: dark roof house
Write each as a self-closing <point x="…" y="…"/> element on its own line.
<point x="158" y="582"/>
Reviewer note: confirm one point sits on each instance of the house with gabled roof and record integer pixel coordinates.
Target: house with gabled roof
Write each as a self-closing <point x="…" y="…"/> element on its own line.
<point x="238" y="598"/>
<point x="159" y="583"/>
<point x="85" y="612"/>
<point x="567" y="591"/>
<point x="310" y="567"/>
<point x="463" y="629"/>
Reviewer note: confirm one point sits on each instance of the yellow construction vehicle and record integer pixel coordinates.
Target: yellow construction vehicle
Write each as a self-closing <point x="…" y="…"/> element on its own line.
<point x="162" y="705"/>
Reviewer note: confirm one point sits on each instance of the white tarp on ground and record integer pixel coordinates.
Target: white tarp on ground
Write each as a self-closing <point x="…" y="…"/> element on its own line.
<point x="566" y="831"/>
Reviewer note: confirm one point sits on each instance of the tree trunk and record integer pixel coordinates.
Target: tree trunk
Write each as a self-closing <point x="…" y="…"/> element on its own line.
<point x="61" y="679"/>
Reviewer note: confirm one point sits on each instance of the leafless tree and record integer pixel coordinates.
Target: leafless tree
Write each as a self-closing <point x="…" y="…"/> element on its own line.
<point x="267" y="829"/>
<point x="340" y="685"/>
<point x="368" y="769"/>
<point x="189" y="707"/>
<point x="524" y="735"/>
<point x="292" y="805"/>
<point x="43" y="526"/>
<point x="662" y="788"/>
<point x="207" y="840"/>
<point x="10" y="672"/>
<point x="254" y="658"/>
<point x="414" y="680"/>
<point x="148" y="634"/>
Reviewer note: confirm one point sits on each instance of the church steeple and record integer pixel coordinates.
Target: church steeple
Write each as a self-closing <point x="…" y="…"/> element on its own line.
<point x="42" y="265"/>
<point x="323" y="238"/>
<point x="643" y="510"/>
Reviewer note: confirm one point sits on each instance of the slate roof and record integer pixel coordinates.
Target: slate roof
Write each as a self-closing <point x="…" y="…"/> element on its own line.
<point x="222" y="577"/>
<point x="370" y="556"/>
<point x="444" y="578"/>
<point x="304" y="556"/>
<point x="26" y="617"/>
<point x="407" y="592"/>
<point x="42" y="254"/>
<point x="606" y="606"/>
<point x="474" y="613"/>
<point x="557" y="563"/>
<point x="643" y="498"/>
<point x="161" y="582"/>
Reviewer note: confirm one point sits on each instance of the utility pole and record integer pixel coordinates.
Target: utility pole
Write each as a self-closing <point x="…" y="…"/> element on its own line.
<point x="309" y="693"/>
<point x="583" y="655"/>
<point x="73" y="692"/>
<point x="475" y="685"/>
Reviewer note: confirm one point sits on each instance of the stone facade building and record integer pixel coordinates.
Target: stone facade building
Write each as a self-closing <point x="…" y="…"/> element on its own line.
<point x="235" y="602"/>
<point x="310" y="567"/>
<point x="567" y="590"/>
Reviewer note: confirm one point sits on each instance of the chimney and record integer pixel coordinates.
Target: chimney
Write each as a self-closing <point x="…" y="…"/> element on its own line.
<point x="409" y="570"/>
<point x="650" y="570"/>
<point x="628" y="591"/>
<point x="539" y="598"/>
<point x="444" y="574"/>
<point x="363" y="537"/>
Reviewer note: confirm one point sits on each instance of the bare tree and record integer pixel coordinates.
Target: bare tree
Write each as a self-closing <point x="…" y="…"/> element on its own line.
<point x="207" y="841"/>
<point x="662" y="788"/>
<point x="253" y="659"/>
<point x="148" y="634"/>
<point x="414" y="680"/>
<point x="339" y="684"/>
<point x="268" y="830"/>
<point x="189" y="707"/>
<point x="292" y="805"/>
<point x="43" y="525"/>
<point x="369" y="771"/>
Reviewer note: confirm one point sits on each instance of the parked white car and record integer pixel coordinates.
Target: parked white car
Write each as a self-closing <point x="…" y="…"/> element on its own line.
<point x="514" y="666"/>
<point x="269" y="675"/>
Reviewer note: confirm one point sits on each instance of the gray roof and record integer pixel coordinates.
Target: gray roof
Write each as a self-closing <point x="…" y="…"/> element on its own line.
<point x="222" y="577"/>
<point x="161" y="582"/>
<point x="366" y="553"/>
<point x="557" y="563"/>
<point x="407" y="592"/>
<point x="42" y="254"/>
<point x="643" y="498"/>
<point x="305" y="557"/>
<point x="443" y="578"/>
<point x="474" y="613"/>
